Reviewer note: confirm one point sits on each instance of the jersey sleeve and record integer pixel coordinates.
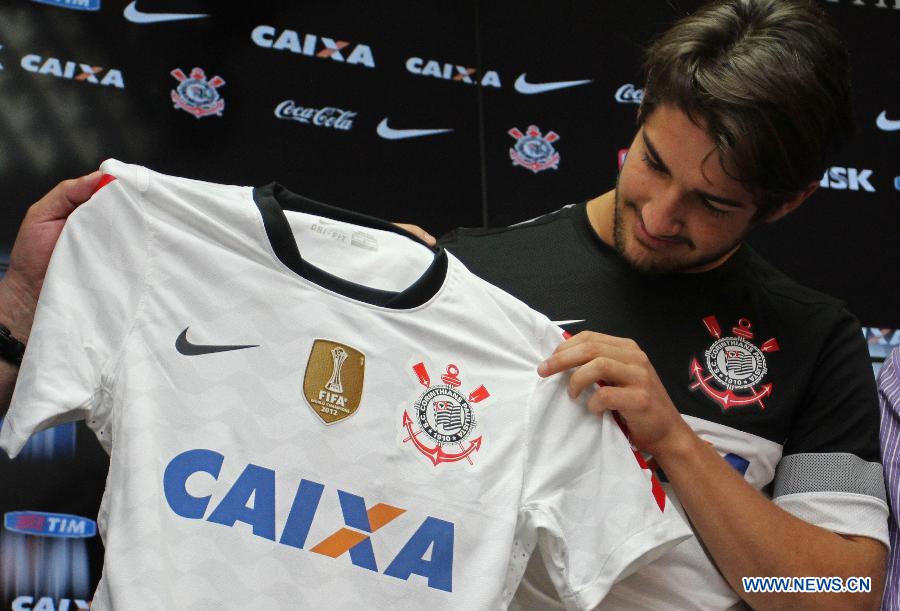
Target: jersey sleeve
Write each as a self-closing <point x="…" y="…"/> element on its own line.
<point x="87" y="304"/>
<point x="592" y="511"/>
<point x="830" y="474"/>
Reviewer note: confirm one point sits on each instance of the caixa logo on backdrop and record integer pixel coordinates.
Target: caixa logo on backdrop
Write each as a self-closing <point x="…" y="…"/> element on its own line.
<point x="447" y="71"/>
<point x="78" y="5"/>
<point x="851" y="179"/>
<point x="312" y="45"/>
<point x="48" y="603"/>
<point x="451" y="72"/>
<point x="72" y="70"/>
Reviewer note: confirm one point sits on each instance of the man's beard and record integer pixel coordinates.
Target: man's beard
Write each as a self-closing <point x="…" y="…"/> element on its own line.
<point x="661" y="265"/>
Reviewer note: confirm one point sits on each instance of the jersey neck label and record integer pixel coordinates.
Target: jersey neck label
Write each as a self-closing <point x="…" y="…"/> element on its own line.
<point x="333" y="382"/>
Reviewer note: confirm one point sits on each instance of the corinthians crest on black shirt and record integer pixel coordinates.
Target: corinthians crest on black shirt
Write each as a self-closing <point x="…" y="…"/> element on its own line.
<point x="734" y="372"/>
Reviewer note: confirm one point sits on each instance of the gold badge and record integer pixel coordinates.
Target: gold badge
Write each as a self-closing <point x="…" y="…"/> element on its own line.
<point x="334" y="380"/>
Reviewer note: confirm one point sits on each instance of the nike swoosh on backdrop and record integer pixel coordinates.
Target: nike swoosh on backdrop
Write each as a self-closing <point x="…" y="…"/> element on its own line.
<point x="184" y="346"/>
<point x="389" y="133"/>
<point x="888" y="125"/>
<point x="559" y="323"/>
<point x="133" y="15"/>
<point x="523" y="86"/>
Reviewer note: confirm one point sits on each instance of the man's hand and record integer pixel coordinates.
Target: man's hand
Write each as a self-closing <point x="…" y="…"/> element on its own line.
<point x="745" y="532"/>
<point x="627" y="382"/>
<point x="38" y="233"/>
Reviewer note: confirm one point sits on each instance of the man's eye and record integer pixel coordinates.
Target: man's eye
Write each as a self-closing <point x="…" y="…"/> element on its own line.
<point x="652" y="164"/>
<point x="713" y="209"/>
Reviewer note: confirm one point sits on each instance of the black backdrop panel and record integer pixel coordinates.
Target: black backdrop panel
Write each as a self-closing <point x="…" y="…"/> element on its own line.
<point x="321" y="96"/>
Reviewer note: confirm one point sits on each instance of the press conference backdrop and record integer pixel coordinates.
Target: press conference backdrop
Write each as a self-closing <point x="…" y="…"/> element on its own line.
<point x="440" y="113"/>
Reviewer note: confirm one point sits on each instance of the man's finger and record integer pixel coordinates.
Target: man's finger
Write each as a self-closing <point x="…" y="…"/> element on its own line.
<point x="611" y="398"/>
<point x="593" y="336"/>
<point x="609" y="371"/>
<point x="575" y="355"/>
<point x="64" y="198"/>
<point x="418" y="232"/>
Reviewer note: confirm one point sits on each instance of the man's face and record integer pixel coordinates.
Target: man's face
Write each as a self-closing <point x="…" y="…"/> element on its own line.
<point x="676" y="208"/>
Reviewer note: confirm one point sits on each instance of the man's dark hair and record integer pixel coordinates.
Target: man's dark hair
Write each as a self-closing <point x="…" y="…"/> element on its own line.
<point x="769" y="80"/>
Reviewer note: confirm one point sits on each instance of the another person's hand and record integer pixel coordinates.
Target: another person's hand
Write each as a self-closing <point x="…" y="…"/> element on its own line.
<point x="38" y="233"/>
<point x="418" y="232"/>
<point x="626" y="382"/>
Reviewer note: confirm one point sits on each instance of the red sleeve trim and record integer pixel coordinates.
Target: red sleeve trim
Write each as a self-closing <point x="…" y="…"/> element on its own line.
<point x="104" y="180"/>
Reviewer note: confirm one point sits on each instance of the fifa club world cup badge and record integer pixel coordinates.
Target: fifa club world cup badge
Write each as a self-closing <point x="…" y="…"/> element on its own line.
<point x="196" y="95"/>
<point x="442" y="426"/>
<point x="333" y="383"/>
<point x="534" y="151"/>
<point x="735" y="367"/>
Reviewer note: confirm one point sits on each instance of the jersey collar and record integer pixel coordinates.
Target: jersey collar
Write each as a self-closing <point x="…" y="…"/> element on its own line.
<point x="273" y="199"/>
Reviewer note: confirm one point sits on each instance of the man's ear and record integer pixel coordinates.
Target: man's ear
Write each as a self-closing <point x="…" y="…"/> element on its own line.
<point x="789" y="206"/>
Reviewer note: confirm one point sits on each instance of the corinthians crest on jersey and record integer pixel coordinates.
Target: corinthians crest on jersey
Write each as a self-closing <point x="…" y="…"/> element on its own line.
<point x="735" y="367"/>
<point x="443" y="423"/>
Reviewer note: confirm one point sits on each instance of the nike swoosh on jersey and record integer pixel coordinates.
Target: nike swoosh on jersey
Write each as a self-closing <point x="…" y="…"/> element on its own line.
<point x="888" y="125"/>
<point x="184" y="346"/>
<point x="390" y="133"/>
<point x="523" y="86"/>
<point x="133" y="15"/>
<point x="559" y="323"/>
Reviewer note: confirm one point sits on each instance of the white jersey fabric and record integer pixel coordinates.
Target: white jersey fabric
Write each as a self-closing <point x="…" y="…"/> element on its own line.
<point x="305" y="408"/>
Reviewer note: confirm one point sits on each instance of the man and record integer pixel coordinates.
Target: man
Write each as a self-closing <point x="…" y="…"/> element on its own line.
<point x="889" y="398"/>
<point x="735" y="379"/>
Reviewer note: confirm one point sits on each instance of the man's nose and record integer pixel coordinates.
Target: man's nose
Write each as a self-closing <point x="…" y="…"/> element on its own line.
<point x="663" y="214"/>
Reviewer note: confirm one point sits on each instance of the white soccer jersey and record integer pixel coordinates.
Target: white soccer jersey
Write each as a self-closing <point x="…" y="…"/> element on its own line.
<point x="306" y="409"/>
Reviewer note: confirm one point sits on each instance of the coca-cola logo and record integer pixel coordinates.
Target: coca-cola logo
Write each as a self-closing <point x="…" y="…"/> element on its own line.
<point x="328" y="116"/>
<point x="628" y="94"/>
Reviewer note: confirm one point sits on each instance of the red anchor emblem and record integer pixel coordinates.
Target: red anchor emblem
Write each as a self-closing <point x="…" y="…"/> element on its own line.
<point x="735" y="366"/>
<point x="443" y="415"/>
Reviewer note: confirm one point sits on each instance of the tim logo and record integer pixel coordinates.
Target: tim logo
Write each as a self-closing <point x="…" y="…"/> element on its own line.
<point x="56" y="525"/>
<point x="428" y="552"/>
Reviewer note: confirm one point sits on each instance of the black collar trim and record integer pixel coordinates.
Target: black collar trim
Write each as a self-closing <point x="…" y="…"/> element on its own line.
<point x="273" y="199"/>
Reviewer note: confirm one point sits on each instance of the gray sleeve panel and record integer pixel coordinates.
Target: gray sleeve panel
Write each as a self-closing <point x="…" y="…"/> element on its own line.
<point x="829" y="472"/>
